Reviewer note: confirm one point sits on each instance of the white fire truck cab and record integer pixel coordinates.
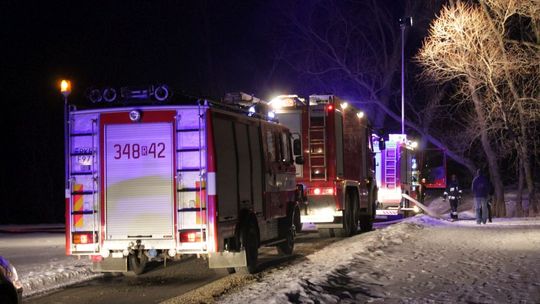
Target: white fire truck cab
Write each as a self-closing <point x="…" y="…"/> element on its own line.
<point x="337" y="176"/>
<point x="155" y="182"/>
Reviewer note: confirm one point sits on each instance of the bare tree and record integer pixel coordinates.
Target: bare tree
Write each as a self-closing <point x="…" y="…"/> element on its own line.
<point x="517" y="55"/>
<point x="460" y="47"/>
<point x="473" y="46"/>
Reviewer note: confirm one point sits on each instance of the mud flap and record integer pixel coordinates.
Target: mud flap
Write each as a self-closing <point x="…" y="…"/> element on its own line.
<point x="227" y="259"/>
<point x="111" y="265"/>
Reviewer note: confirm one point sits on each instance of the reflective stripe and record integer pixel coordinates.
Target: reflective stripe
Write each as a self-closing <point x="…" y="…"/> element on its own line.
<point x="211" y="183"/>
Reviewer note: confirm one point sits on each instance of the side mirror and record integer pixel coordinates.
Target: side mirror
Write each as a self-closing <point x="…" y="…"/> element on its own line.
<point x="382" y="144"/>
<point x="297" y="147"/>
<point x="299" y="160"/>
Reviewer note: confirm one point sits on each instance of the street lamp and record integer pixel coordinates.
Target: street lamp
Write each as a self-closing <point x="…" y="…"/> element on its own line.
<point x="65" y="89"/>
<point x="403" y="23"/>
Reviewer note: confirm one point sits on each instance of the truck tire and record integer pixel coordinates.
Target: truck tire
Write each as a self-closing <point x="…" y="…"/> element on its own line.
<point x="137" y="262"/>
<point x="350" y="215"/>
<point x="287" y="231"/>
<point x="249" y="240"/>
<point x="297" y="219"/>
<point x="366" y="222"/>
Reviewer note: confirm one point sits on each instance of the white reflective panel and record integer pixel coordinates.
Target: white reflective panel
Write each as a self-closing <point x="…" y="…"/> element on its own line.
<point x="189" y="118"/>
<point x="190" y="139"/>
<point x="83" y="123"/>
<point x="139" y="180"/>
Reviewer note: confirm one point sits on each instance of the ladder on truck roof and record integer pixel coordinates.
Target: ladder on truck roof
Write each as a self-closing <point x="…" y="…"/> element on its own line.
<point x="191" y="172"/>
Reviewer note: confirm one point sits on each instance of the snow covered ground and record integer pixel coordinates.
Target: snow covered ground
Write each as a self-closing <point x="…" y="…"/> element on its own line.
<point x="41" y="262"/>
<point x="422" y="260"/>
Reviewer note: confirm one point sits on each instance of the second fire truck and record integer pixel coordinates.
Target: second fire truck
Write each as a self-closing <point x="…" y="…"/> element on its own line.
<point x="338" y="173"/>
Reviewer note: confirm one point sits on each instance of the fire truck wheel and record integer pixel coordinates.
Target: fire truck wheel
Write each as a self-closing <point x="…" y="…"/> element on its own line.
<point x="297" y="220"/>
<point x="137" y="262"/>
<point x="287" y="231"/>
<point x="350" y="217"/>
<point x="249" y="239"/>
<point x="366" y="223"/>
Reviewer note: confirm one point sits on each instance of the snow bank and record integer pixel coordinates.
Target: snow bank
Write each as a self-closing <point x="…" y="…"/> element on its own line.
<point x="55" y="274"/>
<point x="325" y="271"/>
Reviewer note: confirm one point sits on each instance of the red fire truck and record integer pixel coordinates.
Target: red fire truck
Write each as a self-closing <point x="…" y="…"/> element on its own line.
<point x="397" y="172"/>
<point x="338" y="175"/>
<point x="159" y="181"/>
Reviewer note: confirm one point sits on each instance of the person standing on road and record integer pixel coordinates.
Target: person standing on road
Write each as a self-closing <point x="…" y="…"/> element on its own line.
<point x="453" y="193"/>
<point x="480" y="189"/>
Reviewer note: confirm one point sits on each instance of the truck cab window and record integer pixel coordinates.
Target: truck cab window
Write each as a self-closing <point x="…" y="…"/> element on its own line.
<point x="271" y="146"/>
<point x="285" y="148"/>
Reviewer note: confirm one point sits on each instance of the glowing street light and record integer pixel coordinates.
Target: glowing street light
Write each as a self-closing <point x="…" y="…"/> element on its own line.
<point x="65" y="87"/>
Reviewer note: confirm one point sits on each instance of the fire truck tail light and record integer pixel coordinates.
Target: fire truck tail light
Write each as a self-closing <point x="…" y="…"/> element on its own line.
<point x="191" y="236"/>
<point x="329" y="107"/>
<point x="321" y="191"/>
<point x="82" y="238"/>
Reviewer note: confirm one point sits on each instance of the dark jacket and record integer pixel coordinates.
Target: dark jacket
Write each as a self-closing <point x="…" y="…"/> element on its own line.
<point x="453" y="191"/>
<point x="481" y="187"/>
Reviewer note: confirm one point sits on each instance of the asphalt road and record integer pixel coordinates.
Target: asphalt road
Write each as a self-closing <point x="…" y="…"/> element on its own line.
<point x="162" y="282"/>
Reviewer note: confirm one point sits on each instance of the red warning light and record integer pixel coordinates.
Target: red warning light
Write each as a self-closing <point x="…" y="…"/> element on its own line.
<point x="330" y="107"/>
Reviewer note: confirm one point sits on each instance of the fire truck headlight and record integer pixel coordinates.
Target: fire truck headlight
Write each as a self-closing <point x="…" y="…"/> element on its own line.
<point x="276" y="103"/>
<point x="416" y="209"/>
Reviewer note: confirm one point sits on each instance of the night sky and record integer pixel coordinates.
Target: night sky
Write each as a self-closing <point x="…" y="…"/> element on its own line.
<point x="201" y="48"/>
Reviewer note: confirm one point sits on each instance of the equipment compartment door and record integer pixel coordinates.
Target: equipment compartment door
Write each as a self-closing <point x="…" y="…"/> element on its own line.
<point x="139" y="188"/>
